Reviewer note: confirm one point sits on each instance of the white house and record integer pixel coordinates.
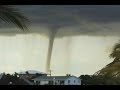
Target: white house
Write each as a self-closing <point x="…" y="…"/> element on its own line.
<point x="57" y="80"/>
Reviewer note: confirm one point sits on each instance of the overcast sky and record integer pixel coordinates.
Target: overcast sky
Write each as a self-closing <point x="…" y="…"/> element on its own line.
<point x="85" y="37"/>
<point x="85" y="19"/>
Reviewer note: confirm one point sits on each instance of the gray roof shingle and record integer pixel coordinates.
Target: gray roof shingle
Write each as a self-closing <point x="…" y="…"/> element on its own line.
<point x="52" y="77"/>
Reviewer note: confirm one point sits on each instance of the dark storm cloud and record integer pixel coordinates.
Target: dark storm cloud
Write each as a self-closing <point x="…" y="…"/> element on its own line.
<point x="65" y="14"/>
<point x="78" y="19"/>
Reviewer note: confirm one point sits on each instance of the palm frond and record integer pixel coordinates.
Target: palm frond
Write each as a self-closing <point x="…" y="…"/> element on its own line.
<point x="116" y="51"/>
<point x="11" y="15"/>
<point x="117" y="46"/>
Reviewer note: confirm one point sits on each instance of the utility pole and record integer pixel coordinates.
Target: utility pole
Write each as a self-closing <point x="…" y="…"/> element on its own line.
<point x="50" y="72"/>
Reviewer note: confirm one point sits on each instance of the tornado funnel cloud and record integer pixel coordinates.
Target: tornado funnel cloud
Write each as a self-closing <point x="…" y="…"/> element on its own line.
<point x="50" y="47"/>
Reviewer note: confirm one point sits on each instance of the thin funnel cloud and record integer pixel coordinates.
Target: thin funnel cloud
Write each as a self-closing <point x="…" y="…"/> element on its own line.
<point x="50" y="48"/>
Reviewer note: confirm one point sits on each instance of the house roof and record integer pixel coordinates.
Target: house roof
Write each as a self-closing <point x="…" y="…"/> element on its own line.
<point x="26" y="80"/>
<point x="1" y="75"/>
<point x="52" y="78"/>
<point x="31" y="72"/>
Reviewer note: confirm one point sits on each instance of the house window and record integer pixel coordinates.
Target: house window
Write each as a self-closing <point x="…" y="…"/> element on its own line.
<point x="50" y="83"/>
<point x="68" y="81"/>
<point x="37" y="82"/>
<point x="61" y="82"/>
<point x="74" y="81"/>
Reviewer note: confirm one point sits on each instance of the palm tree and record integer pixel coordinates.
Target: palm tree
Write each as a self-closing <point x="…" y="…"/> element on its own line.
<point x="113" y="68"/>
<point x="116" y="53"/>
<point x="12" y="16"/>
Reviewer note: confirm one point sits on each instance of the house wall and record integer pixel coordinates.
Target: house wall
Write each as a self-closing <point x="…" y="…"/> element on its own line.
<point x="72" y="81"/>
<point x="69" y="81"/>
<point x="43" y="82"/>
